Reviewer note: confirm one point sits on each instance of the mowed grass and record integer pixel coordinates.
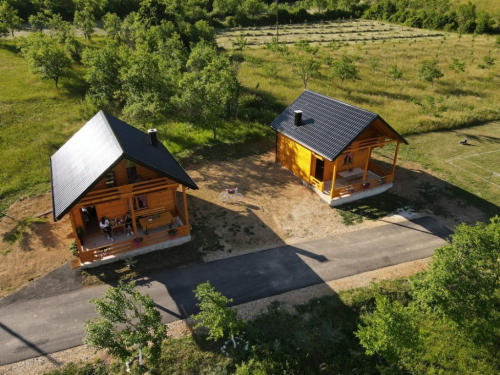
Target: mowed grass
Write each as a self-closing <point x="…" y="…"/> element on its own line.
<point x="35" y="120"/>
<point x="409" y="104"/>
<point x="322" y="32"/>
<point x="474" y="168"/>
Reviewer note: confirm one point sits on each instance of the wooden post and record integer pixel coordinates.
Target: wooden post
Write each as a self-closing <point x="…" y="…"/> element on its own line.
<point x="75" y="233"/>
<point x="333" y="178"/>
<point x="185" y="204"/>
<point x="369" y="154"/>
<point x="134" y="224"/>
<point x="395" y="159"/>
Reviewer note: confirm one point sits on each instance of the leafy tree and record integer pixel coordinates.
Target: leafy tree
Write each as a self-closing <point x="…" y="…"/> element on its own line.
<point x="457" y="66"/>
<point x="390" y="331"/>
<point x="488" y="60"/>
<point x="74" y="47"/>
<point x="240" y="43"/>
<point x="4" y="31"/>
<point x="271" y="69"/>
<point x="344" y="68"/>
<point x="38" y="21"/>
<point x="127" y="318"/>
<point x="103" y="68"/>
<point x="190" y="97"/>
<point x="463" y="282"/>
<point x="85" y="20"/>
<point x="305" y="66"/>
<point x="223" y="7"/>
<point x="214" y="314"/>
<point x="45" y="56"/>
<point x="112" y="24"/>
<point x="466" y="17"/>
<point x="59" y="28"/>
<point x="395" y="73"/>
<point x="429" y="71"/>
<point x="221" y="90"/>
<point x="9" y="18"/>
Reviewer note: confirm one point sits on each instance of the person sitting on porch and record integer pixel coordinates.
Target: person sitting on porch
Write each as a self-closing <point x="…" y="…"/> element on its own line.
<point x="104" y="224"/>
<point x="128" y="225"/>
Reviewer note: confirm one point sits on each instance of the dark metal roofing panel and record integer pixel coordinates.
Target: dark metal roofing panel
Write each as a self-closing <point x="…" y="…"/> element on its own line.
<point x="328" y="126"/>
<point x="81" y="162"/>
<point x="136" y="146"/>
<point x="96" y="149"/>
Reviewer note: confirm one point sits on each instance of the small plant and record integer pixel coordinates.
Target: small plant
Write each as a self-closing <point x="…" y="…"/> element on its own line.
<point x="382" y="180"/>
<point x="73" y="248"/>
<point x="349" y="189"/>
<point x="130" y="262"/>
<point x="81" y="234"/>
<point x="137" y="241"/>
<point x="172" y="232"/>
<point x="104" y="251"/>
<point x="366" y="185"/>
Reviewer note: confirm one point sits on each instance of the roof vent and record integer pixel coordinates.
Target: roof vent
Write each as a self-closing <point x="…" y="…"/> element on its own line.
<point x="153" y="137"/>
<point x="298" y="118"/>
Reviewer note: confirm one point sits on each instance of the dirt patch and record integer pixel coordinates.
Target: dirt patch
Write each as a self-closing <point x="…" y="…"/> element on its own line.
<point x="276" y="210"/>
<point x="37" y="247"/>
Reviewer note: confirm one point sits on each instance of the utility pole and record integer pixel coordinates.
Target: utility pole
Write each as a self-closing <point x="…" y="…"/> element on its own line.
<point x="277" y="41"/>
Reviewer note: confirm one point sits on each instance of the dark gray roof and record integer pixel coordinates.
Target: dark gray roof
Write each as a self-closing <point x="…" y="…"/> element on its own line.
<point x="95" y="150"/>
<point x="328" y="126"/>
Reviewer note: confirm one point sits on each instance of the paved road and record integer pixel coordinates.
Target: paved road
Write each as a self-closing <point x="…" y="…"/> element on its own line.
<point x="51" y="322"/>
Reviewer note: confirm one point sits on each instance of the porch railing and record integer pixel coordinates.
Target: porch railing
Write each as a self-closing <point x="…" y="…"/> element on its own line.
<point x="360" y="186"/>
<point x="316" y="183"/>
<point x="132" y="244"/>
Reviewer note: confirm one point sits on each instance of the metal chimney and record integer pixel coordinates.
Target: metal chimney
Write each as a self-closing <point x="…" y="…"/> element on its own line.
<point x="153" y="137"/>
<point x="298" y="118"/>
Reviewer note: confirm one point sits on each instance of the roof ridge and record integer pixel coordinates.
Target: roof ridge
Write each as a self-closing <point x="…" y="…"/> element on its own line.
<point x="105" y="116"/>
<point x="339" y="101"/>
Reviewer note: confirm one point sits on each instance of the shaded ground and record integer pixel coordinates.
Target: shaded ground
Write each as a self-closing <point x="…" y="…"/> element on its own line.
<point x="277" y="209"/>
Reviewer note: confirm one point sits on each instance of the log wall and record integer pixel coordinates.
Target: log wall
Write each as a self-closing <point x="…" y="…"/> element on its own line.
<point x="294" y="157"/>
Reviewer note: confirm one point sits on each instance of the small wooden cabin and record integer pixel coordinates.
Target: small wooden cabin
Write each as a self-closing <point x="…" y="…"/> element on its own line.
<point x="108" y="169"/>
<point x="329" y="144"/>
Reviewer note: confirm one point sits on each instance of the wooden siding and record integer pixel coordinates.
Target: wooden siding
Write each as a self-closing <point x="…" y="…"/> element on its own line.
<point x="164" y="199"/>
<point x="145" y="173"/>
<point x="358" y="161"/>
<point x="77" y="215"/>
<point x="111" y="210"/>
<point x="121" y="174"/>
<point x="294" y="157"/>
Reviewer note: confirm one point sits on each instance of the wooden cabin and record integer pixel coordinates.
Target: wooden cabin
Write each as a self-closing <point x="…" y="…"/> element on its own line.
<point x="108" y="169"/>
<point x="329" y="144"/>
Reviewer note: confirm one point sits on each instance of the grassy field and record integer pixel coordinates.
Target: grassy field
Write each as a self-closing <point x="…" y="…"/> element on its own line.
<point x="490" y="6"/>
<point x="36" y="118"/>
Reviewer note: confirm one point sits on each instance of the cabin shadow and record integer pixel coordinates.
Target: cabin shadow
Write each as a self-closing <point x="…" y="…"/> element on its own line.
<point x="418" y="191"/>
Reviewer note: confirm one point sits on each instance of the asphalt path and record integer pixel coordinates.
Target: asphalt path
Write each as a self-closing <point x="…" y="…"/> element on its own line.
<point x="42" y="322"/>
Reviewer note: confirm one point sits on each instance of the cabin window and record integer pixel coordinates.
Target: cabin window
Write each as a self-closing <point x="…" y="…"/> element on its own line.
<point x="131" y="171"/>
<point x="347" y="159"/>
<point x="110" y="179"/>
<point x="139" y="202"/>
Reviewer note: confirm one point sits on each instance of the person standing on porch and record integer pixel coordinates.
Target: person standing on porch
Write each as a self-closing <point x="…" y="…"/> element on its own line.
<point x="104" y="224"/>
<point x="128" y="225"/>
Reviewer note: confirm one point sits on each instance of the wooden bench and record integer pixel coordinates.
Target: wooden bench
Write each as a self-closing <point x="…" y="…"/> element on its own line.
<point x="150" y="212"/>
<point x="162" y="220"/>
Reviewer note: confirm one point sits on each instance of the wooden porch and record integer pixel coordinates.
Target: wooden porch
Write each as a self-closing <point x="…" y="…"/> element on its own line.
<point x="99" y="249"/>
<point x="371" y="177"/>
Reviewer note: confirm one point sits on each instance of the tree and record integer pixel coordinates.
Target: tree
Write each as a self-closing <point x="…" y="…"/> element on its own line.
<point x="45" y="56"/>
<point x="429" y="71"/>
<point x="103" y="68"/>
<point x="112" y="24"/>
<point x="457" y="66"/>
<point x="59" y="28"/>
<point x="344" y="68"/>
<point x="390" y="331"/>
<point x="9" y="18"/>
<point x="38" y="21"/>
<point x="395" y="73"/>
<point x="214" y="314"/>
<point x="74" y="47"/>
<point x="126" y="318"/>
<point x="240" y="43"/>
<point x="85" y="20"/>
<point x="463" y="282"/>
<point x="305" y="66"/>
